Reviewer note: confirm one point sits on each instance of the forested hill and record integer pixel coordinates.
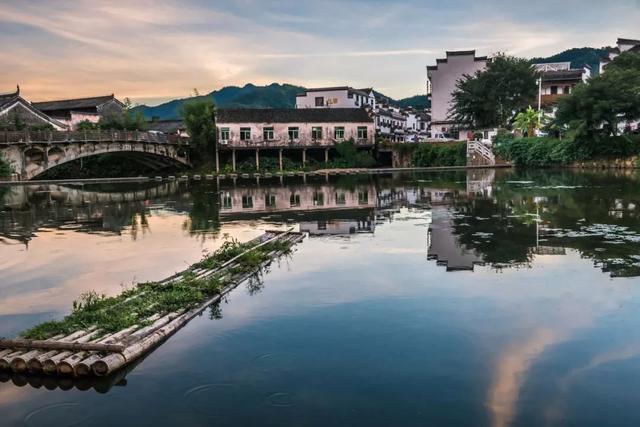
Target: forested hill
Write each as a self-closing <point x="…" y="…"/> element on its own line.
<point x="578" y="57"/>
<point x="250" y="96"/>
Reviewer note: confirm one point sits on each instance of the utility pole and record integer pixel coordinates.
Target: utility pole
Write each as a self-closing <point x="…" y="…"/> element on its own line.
<point x="539" y="101"/>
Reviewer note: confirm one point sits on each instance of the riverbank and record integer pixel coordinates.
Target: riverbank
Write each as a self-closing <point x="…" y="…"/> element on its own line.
<point x="319" y="172"/>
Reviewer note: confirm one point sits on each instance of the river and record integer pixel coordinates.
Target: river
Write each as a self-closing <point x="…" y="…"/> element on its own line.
<point x="492" y="298"/>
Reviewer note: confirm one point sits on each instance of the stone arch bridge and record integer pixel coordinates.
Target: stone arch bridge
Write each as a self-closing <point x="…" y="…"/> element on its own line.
<point x="32" y="153"/>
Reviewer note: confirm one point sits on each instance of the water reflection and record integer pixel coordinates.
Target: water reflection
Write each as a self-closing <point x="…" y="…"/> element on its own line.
<point x="368" y="314"/>
<point x="475" y="218"/>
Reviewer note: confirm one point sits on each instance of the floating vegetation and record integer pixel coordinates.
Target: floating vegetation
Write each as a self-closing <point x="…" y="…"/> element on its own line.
<point x="102" y="334"/>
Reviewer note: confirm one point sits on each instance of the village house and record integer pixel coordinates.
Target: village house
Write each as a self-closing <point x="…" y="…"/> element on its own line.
<point x="336" y="97"/>
<point x="622" y="45"/>
<point x="71" y="112"/>
<point x="291" y="132"/>
<point x="559" y="79"/>
<point x="16" y="112"/>
<point x="443" y="78"/>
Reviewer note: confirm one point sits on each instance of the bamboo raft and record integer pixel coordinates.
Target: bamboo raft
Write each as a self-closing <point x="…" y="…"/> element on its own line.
<point x="91" y="354"/>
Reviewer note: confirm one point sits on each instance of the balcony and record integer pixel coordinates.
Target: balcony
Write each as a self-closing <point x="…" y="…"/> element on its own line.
<point x="254" y="143"/>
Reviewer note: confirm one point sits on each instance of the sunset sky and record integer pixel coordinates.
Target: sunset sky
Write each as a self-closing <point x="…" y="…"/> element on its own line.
<point x="152" y="51"/>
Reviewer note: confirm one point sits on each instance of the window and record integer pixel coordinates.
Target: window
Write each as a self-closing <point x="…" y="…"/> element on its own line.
<point x="294" y="200"/>
<point x="224" y="134"/>
<point x="362" y="132"/>
<point x="227" y="201"/>
<point x="316" y="133"/>
<point x="318" y="199"/>
<point x="294" y="133"/>
<point x="567" y="90"/>
<point x="485" y="134"/>
<point x="319" y="101"/>
<point x="341" y="199"/>
<point x="267" y="134"/>
<point x="270" y="200"/>
<point x="247" y="202"/>
<point x="363" y="198"/>
<point x="339" y="133"/>
<point x="554" y="90"/>
<point x="245" y="134"/>
<point x="322" y="225"/>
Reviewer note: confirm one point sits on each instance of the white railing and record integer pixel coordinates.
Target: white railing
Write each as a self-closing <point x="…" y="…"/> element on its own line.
<point x="482" y="150"/>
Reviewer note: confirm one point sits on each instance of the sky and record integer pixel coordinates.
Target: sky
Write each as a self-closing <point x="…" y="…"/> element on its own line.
<point x="153" y="51"/>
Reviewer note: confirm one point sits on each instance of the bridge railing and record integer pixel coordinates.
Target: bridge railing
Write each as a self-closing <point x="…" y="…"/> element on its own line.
<point x="48" y="136"/>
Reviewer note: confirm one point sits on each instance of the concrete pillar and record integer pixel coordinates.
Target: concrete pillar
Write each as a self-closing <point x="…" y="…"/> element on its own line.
<point x="233" y="160"/>
<point x="217" y="161"/>
<point x="280" y="159"/>
<point x="304" y="157"/>
<point x="326" y="156"/>
<point x="257" y="159"/>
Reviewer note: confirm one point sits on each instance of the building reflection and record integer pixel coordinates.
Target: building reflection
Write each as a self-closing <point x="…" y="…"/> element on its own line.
<point x="476" y="218"/>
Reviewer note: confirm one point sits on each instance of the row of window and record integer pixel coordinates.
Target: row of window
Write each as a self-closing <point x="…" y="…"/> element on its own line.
<point x="293" y="133"/>
<point x="294" y="200"/>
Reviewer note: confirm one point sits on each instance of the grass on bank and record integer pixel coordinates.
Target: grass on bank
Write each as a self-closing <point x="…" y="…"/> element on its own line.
<point x="134" y="306"/>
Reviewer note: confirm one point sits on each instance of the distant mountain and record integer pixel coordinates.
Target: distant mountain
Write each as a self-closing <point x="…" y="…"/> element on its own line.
<point x="578" y="57"/>
<point x="249" y="96"/>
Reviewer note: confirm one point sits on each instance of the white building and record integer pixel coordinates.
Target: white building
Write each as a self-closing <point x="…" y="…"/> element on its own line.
<point x="336" y="97"/>
<point x="623" y="45"/>
<point x="443" y="78"/>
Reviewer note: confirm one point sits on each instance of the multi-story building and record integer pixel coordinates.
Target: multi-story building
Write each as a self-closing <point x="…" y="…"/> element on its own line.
<point x="336" y="97"/>
<point x="622" y="45"/>
<point x="443" y="78"/>
<point x="559" y="79"/>
<point x="293" y="130"/>
<point x="74" y="111"/>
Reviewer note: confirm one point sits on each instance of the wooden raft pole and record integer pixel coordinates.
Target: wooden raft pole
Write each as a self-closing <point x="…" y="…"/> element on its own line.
<point x="91" y="351"/>
<point x="59" y="345"/>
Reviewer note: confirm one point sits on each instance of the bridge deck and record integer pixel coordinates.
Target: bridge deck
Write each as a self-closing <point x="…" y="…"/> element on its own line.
<point x="51" y="137"/>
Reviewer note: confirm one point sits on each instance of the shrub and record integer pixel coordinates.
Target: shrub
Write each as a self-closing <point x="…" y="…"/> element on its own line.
<point x="430" y="155"/>
<point x="5" y="168"/>
<point x="546" y="152"/>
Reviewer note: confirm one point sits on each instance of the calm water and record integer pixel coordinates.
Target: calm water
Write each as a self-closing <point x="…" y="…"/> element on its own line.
<point x="480" y="299"/>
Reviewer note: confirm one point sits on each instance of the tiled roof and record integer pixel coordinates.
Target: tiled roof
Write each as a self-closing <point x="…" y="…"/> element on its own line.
<point x="73" y="104"/>
<point x="6" y="98"/>
<point x="292" y="115"/>
<point x="552" y="76"/>
<point x="628" y="41"/>
<point x="165" y="126"/>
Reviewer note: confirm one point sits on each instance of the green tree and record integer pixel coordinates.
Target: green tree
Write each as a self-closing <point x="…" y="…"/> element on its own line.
<point x="596" y="108"/>
<point x="199" y="117"/>
<point x="127" y="120"/>
<point x="5" y="168"/>
<point x="491" y="98"/>
<point x="527" y="121"/>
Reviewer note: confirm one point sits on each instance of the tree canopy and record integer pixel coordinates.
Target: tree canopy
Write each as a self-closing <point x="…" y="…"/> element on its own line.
<point x="492" y="98"/>
<point x="199" y="119"/>
<point x="596" y="108"/>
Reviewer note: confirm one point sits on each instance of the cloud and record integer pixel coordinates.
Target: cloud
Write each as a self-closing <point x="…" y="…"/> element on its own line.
<point x="150" y="49"/>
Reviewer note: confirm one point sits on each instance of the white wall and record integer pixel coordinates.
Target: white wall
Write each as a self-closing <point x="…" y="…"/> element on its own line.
<point x="444" y="79"/>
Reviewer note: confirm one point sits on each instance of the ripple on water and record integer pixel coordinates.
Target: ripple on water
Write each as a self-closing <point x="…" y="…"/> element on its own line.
<point x="274" y="362"/>
<point x="216" y="399"/>
<point x="280" y="400"/>
<point x="58" y="414"/>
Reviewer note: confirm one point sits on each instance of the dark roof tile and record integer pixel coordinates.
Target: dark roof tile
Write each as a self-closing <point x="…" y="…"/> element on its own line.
<point x="72" y="104"/>
<point x="292" y="115"/>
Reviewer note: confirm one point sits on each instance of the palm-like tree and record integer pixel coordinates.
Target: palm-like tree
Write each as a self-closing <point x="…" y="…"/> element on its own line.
<point x="527" y="121"/>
